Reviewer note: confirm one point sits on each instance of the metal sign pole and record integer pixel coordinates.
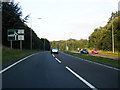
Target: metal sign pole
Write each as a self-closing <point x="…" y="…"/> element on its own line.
<point x="44" y="44"/>
<point x="20" y="44"/>
<point x="11" y="44"/>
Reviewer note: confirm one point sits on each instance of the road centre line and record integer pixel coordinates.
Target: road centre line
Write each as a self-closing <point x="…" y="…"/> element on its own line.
<point x="80" y="78"/>
<point x="58" y="60"/>
<point x="93" y="62"/>
<point x="16" y="63"/>
<point x="53" y="55"/>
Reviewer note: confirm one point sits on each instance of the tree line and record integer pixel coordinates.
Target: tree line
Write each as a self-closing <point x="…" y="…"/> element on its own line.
<point x="100" y="39"/>
<point x="70" y="44"/>
<point x="12" y="19"/>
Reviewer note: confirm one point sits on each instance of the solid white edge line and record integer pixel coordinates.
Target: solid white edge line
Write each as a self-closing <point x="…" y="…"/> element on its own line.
<point x="94" y="62"/>
<point x="16" y="63"/>
<point x="58" y="60"/>
<point x="83" y="80"/>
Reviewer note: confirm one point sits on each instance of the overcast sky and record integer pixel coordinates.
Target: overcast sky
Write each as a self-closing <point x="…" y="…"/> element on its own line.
<point x="64" y="19"/>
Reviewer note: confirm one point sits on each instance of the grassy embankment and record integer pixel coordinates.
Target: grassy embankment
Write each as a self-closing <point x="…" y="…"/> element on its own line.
<point x="11" y="54"/>
<point x="116" y="53"/>
<point x="107" y="61"/>
<point x="109" y="53"/>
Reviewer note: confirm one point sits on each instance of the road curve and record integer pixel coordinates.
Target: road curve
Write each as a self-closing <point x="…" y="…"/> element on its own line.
<point x="45" y="70"/>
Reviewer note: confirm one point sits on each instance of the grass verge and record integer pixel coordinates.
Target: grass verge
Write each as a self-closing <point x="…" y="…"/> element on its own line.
<point x="11" y="54"/>
<point x="109" y="53"/>
<point x="116" y="53"/>
<point x="107" y="61"/>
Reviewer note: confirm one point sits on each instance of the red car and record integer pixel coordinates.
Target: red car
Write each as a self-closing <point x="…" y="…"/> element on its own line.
<point x="94" y="51"/>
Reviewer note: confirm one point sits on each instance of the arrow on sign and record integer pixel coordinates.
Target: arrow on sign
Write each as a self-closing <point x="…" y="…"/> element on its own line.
<point x="15" y="34"/>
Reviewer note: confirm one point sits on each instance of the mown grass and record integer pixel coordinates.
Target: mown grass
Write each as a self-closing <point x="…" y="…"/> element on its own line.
<point x="109" y="53"/>
<point x="107" y="61"/>
<point x="11" y="54"/>
<point x="116" y="53"/>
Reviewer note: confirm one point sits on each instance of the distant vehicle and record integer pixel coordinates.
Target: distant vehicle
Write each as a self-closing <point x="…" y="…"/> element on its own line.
<point x="84" y="51"/>
<point x="54" y="50"/>
<point x="94" y="51"/>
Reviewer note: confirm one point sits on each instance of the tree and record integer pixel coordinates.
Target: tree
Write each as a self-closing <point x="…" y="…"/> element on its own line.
<point x="101" y="37"/>
<point x="12" y="14"/>
<point x="11" y="19"/>
<point x="72" y="44"/>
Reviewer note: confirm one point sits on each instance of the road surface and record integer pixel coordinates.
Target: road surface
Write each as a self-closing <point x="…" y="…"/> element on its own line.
<point x="45" y="70"/>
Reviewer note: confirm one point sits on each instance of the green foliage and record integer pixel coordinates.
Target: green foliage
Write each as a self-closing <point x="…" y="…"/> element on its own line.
<point x="101" y="38"/>
<point x="72" y="44"/>
<point x="107" y="61"/>
<point x="16" y="53"/>
<point x="11" y="19"/>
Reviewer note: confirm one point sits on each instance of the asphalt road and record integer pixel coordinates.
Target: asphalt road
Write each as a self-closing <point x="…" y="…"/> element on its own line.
<point x="45" y="70"/>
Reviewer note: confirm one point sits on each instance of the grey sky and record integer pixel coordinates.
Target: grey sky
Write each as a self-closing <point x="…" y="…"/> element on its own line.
<point x="64" y="19"/>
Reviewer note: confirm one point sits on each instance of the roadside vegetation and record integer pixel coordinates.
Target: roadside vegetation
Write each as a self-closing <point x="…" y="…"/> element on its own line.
<point x="107" y="61"/>
<point x="100" y="39"/>
<point x="12" y="19"/>
<point x="11" y="54"/>
<point x="116" y="53"/>
<point x="109" y="53"/>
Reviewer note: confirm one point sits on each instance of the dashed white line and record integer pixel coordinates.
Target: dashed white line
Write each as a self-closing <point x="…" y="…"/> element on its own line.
<point x="53" y="55"/>
<point x="83" y="80"/>
<point x="79" y="77"/>
<point x="58" y="60"/>
<point x="16" y="63"/>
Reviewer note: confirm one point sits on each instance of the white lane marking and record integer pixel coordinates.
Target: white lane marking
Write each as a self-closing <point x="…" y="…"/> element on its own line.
<point x="83" y="80"/>
<point x="53" y="55"/>
<point x="58" y="60"/>
<point x="103" y="65"/>
<point x="94" y="62"/>
<point x="16" y="63"/>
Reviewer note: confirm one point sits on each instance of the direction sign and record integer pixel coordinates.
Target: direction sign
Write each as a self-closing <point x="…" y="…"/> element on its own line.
<point x="20" y="37"/>
<point x="20" y="31"/>
<point x="15" y="34"/>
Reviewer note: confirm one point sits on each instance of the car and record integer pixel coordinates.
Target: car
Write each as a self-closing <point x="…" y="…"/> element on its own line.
<point x="84" y="51"/>
<point x="94" y="51"/>
<point x="54" y="50"/>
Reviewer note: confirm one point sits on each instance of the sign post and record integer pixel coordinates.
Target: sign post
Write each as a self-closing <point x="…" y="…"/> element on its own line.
<point x="20" y="44"/>
<point x="16" y="35"/>
<point x="11" y="44"/>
